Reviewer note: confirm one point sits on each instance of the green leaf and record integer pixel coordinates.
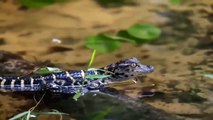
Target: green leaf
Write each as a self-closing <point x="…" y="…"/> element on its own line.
<point x="191" y="96"/>
<point x="28" y="115"/>
<point x="20" y="115"/>
<point x="176" y="2"/>
<point x="49" y="113"/>
<point x="36" y="3"/>
<point x="123" y="39"/>
<point x="194" y="91"/>
<point x="125" y="34"/>
<point x="47" y="70"/>
<point x="102" y="114"/>
<point x="96" y="76"/>
<point x="92" y="58"/>
<point x="115" y="3"/>
<point x="146" y="32"/>
<point x="102" y="43"/>
<point x="76" y="96"/>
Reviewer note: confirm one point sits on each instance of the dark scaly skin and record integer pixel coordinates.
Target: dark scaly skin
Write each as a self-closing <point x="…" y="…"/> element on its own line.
<point x="70" y="82"/>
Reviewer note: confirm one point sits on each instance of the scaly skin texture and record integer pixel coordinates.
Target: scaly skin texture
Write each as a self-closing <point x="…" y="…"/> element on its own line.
<point x="70" y="82"/>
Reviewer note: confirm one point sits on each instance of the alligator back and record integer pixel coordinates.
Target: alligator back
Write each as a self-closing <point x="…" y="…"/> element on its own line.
<point x="73" y="79"/>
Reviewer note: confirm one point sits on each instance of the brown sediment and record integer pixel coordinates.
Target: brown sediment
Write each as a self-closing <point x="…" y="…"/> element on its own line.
<point x="180" y="55"/>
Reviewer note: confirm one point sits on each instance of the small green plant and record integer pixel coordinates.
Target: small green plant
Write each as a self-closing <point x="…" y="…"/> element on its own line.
<point x="79" y="93"/>
<point x="115" y="3"/>
<point x="102" y="114"/>
<point x="102" y="43"/>
<point x="191" y="96"/>
<point x="176" y="2"/>
<point x="28" y="114"/>
<point x="38" y="3"/>
<point x="92" y="58"/>
<point x="145" y="32"/>
<point x="138" y="33"/>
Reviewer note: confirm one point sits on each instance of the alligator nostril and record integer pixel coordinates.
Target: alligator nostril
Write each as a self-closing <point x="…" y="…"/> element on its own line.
<point x="150" y="67"/>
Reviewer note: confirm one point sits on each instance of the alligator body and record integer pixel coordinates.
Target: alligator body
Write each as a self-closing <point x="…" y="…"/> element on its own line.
<point x="70" y="82"/>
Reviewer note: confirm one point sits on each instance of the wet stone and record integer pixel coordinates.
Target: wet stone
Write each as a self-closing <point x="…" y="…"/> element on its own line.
<point x="188" y="51"/>
<point x="81" y="64"/>
<point x="119" y="55"/>
<point x="145" y="56"/>
<point x="55" y="49"/>
<point x="2" y="41"/>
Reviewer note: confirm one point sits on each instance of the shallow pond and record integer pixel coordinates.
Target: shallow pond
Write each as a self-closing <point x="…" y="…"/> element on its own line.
<point x="183" y="57"/>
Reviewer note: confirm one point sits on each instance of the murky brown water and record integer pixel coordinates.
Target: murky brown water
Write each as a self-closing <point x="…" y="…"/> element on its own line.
<point x="180" y="55"/>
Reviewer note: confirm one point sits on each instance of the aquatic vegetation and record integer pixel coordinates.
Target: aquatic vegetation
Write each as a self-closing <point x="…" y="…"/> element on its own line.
<point x="176" y="2"/>
<point x="26" y="115"/>
<point x="115" y="3"/>
<point x="102" y="114"/>
<point x="138" y="33"/>
<point x="191" y="96"/>
<point x="78" y="94"/>
<point x="145" y="32"/>
<point x="38" y="3"/>
<point x="102" y="43"/>
<point x="92" y="58"/>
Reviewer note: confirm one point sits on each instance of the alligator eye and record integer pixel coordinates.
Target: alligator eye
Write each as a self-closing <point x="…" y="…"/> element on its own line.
<point x="133" y="64"/>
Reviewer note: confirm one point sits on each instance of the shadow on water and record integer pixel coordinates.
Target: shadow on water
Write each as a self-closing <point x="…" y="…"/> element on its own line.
<point x="115" y="3"/>
<point x="180" y="23"/>
<point x="104" y="107"/>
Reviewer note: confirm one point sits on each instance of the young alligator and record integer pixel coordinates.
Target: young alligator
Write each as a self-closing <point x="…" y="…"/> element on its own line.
<point x="70" y="82"/>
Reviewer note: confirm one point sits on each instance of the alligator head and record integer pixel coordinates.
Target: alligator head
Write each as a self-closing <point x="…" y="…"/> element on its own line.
<point x="127" y="69"/>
